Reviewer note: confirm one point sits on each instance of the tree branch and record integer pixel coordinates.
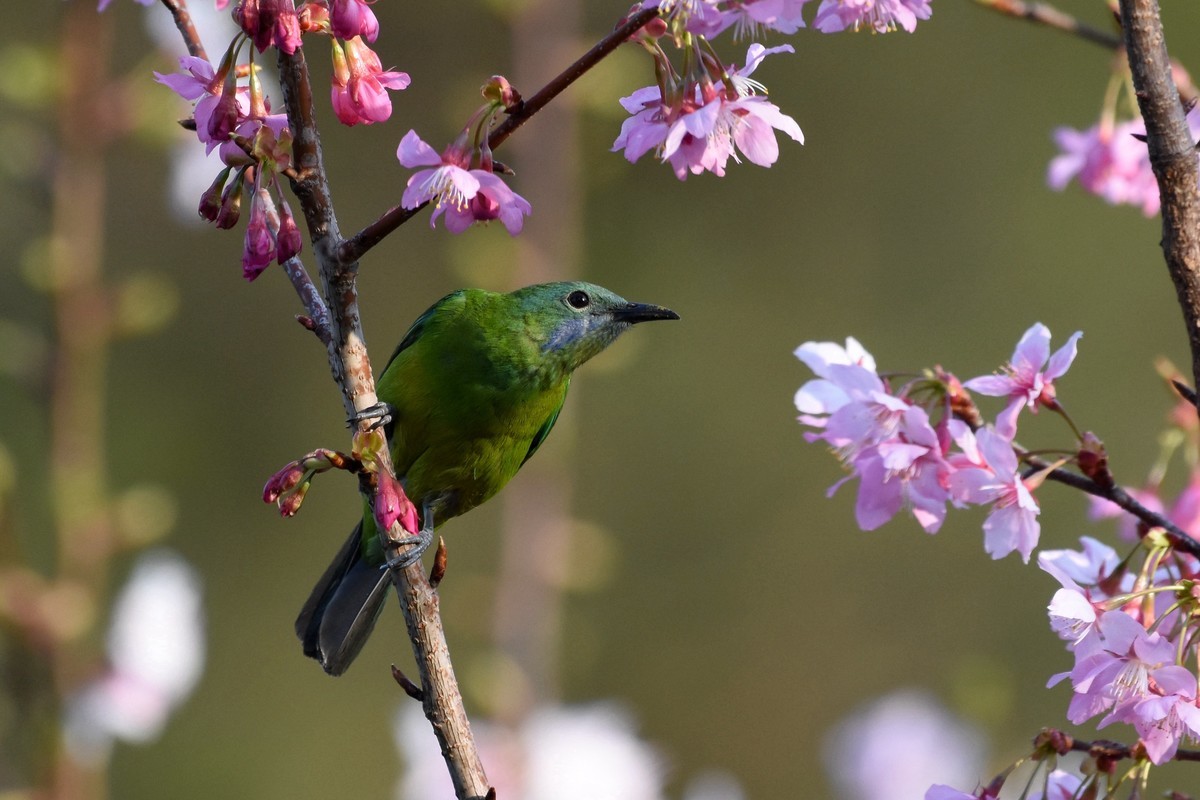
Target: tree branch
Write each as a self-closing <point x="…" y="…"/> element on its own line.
<point x="1050" y="16"/>
<point x="183" y="21"/>
<point x="1119" y="497"/>
<point x="353" y="248"/>
<point x="1172" y="156"/>
<point x="351" y="370"/>
<point x="1102" y="750"/>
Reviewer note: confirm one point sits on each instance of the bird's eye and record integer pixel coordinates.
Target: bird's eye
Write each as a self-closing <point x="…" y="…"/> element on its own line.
<point x="578" y="300"/>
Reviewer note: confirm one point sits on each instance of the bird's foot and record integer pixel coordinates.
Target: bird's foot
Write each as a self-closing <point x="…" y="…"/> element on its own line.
<point x="411" y="550"/>
<point x="382" y="413"/>
<point x="414" y="548"/>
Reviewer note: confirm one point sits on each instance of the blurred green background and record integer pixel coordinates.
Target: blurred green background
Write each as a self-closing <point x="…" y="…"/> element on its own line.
<point x="737" y="611"/>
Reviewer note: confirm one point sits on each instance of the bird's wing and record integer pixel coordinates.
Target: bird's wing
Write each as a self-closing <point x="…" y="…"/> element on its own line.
<point x="547" y="426"/>
<point x="422" y="322"/>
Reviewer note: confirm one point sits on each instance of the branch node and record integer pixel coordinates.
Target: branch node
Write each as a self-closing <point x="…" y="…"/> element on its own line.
<point x="410" y="688"/>
<point x="439" y="564"/>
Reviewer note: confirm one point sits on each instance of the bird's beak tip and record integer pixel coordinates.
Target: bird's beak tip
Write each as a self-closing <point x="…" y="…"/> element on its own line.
<point x="644" y="312"/>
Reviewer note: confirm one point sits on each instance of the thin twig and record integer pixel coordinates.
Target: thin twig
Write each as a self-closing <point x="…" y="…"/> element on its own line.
<point x="1050" y="16"/>
<point x="183" y="21"/>
<point x="1121" y="498"/>
<point x="527" y="108"/>
<point x="353" y="248"/>
<point x="1172" y="156"/>
<point x="1101" y="749"/>
<point x="318" y="312"/>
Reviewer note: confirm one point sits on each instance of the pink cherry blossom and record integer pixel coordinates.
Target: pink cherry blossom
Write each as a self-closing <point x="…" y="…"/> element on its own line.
<point x="270" y="22"/>
<point x="198" y="78"/>
<point x="493" y="201"/>
<point x="886" y="441"/>
<point x="360" y="84"/>
<point x="1075" y="608"/>
<point x="1134" y="678"/>
<point x="881" y="16"/>
<point x="709" y="125"/>
<point x="262" y="232"/>
<point x="750" y="19"/>
<point x="905" y="471"/>
<point x="849" y="403"/>
<point x="1108" y="161"/>
<point x="350" y="18"/>
<point x="464" y="196"/>
<point x="1027" y="380"/>
<point x="994" y="479"/>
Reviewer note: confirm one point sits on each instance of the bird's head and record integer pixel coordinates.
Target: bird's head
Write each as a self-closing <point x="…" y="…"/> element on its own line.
<point x="571" y="321"/>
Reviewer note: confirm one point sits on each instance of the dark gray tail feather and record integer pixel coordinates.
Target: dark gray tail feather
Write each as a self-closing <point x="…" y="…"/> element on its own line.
<point x="341" y="611"/>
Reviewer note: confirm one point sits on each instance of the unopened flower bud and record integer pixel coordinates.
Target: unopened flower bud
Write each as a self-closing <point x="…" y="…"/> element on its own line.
<point x="313" y="17"/>
<point x="367" y="446"/>
<point x="499" y="90"/>
<point x="392" y="505"/>
<point x="270" y="22"/>
<point x="350" y="18"/>
<point x="290" y="240"/>
<point x="210" y="201"/>
<point x="289" y="504"/>
<point x="225" y="114"/>
<point x="283" y="481"/>
<point x="1093" y="460"/>
<point x="231" y="203"/>
<point x="655" y="28"/>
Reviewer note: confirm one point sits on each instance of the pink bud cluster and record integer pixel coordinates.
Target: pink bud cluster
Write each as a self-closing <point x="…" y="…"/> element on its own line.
<point x="903" y="458"/>
<point x="232" y="114"/>
<point x="256" y="145"/>
<point x="287" y="487"/>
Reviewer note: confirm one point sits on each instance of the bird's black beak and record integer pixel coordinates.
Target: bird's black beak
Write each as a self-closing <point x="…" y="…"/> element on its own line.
<point x="642" y="312"/>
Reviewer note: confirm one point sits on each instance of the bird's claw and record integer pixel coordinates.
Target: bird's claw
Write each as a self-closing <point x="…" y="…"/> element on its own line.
<point x="382" y="413"/>
<point x="412" y="549"/>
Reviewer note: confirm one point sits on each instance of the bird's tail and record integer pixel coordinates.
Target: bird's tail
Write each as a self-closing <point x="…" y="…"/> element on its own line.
<point x="341" y="611"/>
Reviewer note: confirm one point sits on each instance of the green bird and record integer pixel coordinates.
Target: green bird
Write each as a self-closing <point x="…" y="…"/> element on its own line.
<point x="470" y="394"/>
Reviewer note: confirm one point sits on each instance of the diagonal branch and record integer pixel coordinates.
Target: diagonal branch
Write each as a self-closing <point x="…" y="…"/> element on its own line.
<point x="183" y="21"/>
<point x="353" y="248"/>
<point x="1050" y="16"/>
<point x="1121" y="498"/>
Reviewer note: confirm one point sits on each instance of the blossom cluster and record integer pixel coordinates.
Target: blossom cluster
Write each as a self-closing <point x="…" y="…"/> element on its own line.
<point x="461" y="181"/>
<point x="232" y="114"/>
<point x="698" y="117"/>
<point x="1129" y="622"/>
<point x="1110" y="159"/>
<point x="1130" y="625"/>
<point x="904" y="458"/>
